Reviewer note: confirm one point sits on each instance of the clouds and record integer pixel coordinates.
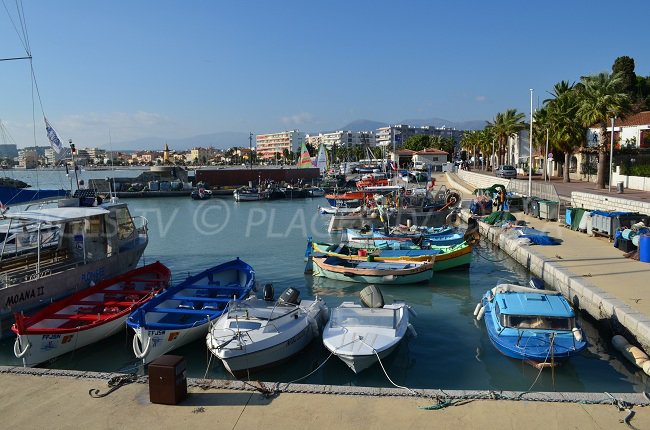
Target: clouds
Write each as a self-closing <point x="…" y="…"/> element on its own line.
<point x="481" y="99"/>
<point x="298" y="120"/>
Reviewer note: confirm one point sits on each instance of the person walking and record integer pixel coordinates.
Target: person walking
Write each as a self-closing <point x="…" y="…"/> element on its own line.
<point x="501" y="198"/>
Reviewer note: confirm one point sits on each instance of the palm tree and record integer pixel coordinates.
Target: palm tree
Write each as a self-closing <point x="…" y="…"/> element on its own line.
<point x="566" y="133"/>
<point x="505" y="125"/>
<point x="601" y="98"/>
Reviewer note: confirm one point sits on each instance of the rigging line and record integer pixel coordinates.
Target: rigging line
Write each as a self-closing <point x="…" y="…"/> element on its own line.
<point x="15" y="28"/>
<point x="23" y="21"/>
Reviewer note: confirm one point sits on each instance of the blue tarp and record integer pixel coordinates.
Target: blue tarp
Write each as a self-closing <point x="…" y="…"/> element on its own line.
<point x="17" y="196"/>
<point x="610" y="214"/>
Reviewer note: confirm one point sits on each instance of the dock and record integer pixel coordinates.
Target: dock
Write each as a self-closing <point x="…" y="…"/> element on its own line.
<point x="593" y="275"/>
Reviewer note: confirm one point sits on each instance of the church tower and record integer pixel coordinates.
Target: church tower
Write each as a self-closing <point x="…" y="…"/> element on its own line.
<point x="166" y="154"/>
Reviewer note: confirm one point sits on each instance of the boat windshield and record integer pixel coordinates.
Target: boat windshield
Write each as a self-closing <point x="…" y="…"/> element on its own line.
<point x="537" y="322"/>
<point x="342" y="317"/>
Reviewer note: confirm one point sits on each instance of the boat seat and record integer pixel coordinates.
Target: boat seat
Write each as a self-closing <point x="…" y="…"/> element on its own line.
<point x="179" y="311"/>
<point x="201" y="299"/>
<point x="121" y="303"/>
<point x="80" y="317"/>
<point x="128" y="292"/>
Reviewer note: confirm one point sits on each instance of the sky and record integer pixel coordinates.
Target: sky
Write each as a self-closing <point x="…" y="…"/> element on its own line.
<point x="120" y="70"/>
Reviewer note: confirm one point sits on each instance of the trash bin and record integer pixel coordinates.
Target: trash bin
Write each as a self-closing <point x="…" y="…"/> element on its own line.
<point x="619" y="187"/>
<point x="549" y="210"/>
<point x="167" y="380"/>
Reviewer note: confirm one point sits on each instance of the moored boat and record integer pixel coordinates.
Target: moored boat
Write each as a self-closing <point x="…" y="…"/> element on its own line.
<point x="537" y="326"/>
<point x="86" y="317"/>
<point x="256" y="333"/>
<point x="248" y="194"/>
<point x="94" y="243"/>
<point x="201" y="194"/>
<point x="181" y="314"/>
<point x="373" y="272"/>
<point x="447" y="257"/>
<point x="362" y="335"/>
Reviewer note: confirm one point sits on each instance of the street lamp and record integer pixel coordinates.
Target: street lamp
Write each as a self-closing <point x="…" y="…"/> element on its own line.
<point x="611" y="154"/>
<point x="530" y="148"/>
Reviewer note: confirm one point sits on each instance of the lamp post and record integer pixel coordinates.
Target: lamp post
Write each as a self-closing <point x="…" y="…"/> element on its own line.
<point x="546" y="158"/>
<point x="530" y="148"/>
<point x="611" y="155"/>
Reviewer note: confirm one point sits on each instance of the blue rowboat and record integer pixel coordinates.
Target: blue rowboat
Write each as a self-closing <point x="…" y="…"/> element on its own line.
<point x="181" y="314"/>
<point x="536" y="326"/>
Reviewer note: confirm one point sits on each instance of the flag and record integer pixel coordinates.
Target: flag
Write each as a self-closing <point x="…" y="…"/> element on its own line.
<point x="53" y="138"/>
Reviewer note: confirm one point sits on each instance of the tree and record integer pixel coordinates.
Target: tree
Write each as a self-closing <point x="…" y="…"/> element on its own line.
<point x="416" y="143"/>
<point x="506" y="124"/>
<point x="600" y="98"/>
<point x="565" y="132"/>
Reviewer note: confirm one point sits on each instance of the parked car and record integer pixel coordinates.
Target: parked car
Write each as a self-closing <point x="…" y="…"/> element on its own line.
<point x="506" y="171"/>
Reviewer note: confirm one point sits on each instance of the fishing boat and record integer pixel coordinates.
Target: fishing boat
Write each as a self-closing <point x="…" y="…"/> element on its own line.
<point x="25" y="238"/>
<point x="333" y="210"/>
<point x="201" y="194"/>
<point x="446" y="257"/>
<point x="181" y="314"/>
<point x="94" y="243"/>
<point x="537" y="326"/>
<point x="362" y="334"/>
<point x="248" y="194"/>
<point x="256" y="333"/>
<point x="378" y="239"/>
<point x="86" y="317"/>
<point x="315" y="191"/>
<point x="373" y="272"/>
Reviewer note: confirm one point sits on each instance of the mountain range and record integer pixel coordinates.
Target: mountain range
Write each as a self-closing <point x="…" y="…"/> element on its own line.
<point x="229" y="139"/>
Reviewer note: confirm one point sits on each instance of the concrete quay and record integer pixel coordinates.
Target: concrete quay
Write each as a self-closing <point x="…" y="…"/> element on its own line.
<point x="589" y="271"/>
<point x="49" y="399"/>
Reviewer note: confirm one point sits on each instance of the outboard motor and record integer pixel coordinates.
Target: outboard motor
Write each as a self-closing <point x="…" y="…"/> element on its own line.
<point x="371" y="297"/>
<point x="472" y="235"/>
<point x="269" y="293"/>
<point x="536" y="283"/>
<point x="289" y="296"/>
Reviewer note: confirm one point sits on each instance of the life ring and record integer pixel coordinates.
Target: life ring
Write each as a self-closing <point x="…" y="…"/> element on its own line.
<point x="17" y="352"/>
<point x="139" y="353"/>
<point x="453" y="219"/>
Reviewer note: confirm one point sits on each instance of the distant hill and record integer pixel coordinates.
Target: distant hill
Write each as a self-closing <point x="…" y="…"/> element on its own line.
<point x="439" y="122"/>
<point x="364" y="125"/>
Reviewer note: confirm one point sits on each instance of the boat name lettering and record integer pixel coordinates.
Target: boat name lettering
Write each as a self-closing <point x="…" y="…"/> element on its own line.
<point x="24" y="296"/>
<point x="156" y="332"/>
<point x="51" y="336"/>
<point x="93" y="275"/>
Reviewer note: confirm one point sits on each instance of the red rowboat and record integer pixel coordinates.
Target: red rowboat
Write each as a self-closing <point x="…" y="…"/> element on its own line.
<point x="87" y="316"/>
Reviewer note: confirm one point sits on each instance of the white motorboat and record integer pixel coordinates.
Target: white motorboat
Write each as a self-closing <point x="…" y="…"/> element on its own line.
<point x="257" y="333"/>
<point x="360" y="336"/>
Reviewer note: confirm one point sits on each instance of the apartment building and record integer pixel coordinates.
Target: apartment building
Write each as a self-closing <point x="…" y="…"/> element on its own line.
<point x="399" y="133"/>
<point x="268" y="145"/>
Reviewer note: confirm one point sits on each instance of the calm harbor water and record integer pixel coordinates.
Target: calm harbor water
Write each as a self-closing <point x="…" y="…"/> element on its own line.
<point x="451" y="350"/>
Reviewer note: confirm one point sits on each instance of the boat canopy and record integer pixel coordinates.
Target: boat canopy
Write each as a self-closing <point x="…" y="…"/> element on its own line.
<point x="57" y="215"/>
<point x="544" y="305"/>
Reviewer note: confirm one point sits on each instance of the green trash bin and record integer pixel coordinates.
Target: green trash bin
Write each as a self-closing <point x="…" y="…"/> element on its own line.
<point x="549" y="210"/>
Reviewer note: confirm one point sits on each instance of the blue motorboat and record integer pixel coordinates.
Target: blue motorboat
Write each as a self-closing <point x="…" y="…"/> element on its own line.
<point x="537" y="326"/>
<point x="182" y="313"/>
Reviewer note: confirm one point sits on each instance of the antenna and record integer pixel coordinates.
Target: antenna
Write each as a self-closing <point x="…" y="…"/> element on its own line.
<point x="110" y="146"/>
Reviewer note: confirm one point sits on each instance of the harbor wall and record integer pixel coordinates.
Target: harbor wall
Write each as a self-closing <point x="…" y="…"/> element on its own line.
<point x="608" y="203"/>
<point x="582" y="294"/>
<point x="481" y="180"/>
<point x="216" y="177"/>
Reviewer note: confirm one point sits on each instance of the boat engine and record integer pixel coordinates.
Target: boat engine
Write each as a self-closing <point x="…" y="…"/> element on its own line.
<point x="289" y="296"/>
<point x="371" y="297"/>
<point x="268" y="292"/>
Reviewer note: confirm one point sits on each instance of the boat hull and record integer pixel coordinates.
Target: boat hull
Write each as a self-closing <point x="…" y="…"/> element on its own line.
<point x="53" y="286"/>
<point x="45" y="347"/>
<point x="154" y="343"/>
<point x="358" y="363"/>
<point x="422" y="273"/>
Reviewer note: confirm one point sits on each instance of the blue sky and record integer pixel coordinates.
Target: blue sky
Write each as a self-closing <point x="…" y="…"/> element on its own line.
<point x="181" y="68"/>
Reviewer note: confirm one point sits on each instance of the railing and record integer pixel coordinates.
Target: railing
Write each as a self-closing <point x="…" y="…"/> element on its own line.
<point x="538" y="189"/>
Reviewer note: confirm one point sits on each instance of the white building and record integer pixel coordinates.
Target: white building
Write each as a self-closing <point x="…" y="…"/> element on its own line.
<point x="268" y="145"/>
<point x="397" y="134"/>
<point x="633" y="131"/>
<point x="346" y="138"/>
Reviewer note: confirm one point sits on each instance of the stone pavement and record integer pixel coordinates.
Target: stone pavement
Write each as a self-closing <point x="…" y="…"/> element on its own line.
<point x="45" y="402"/>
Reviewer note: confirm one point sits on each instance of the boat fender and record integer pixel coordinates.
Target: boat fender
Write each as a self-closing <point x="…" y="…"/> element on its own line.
<point x="268" y="292"/>
<point x="646" y="367"/>
<point x="631" y="352"/>
<point x="477" y="308"/>
<point x="480" y="314"/>
<point x="411" y="330"/>
<point x="577" y="334"/>
<point x="388" y="278"/>
<point x="139" y="353"/>
<point x="17" y="348"/>
<point x="412" y="311"/>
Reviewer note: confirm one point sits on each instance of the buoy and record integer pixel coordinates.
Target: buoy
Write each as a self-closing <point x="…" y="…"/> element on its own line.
<point x="646" y="367"/>
<point x="619" y="342"/>
<point x="480" y="313"/>
<point x="477" y="308"/>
